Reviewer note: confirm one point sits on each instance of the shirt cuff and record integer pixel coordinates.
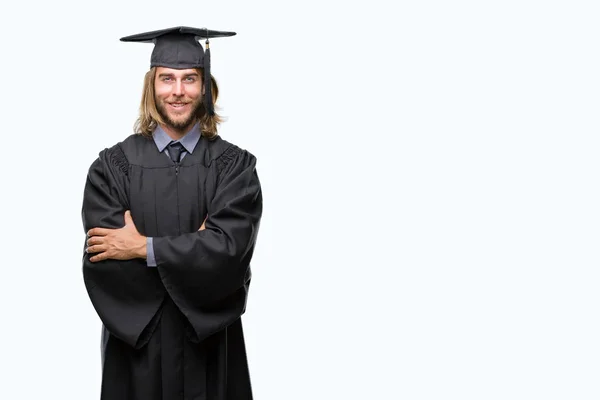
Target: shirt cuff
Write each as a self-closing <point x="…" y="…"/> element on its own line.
<point x="150" y="260"/>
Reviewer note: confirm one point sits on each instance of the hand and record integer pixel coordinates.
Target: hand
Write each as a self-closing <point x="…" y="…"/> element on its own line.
<point x="118" y="244"/>
<point x="203" y="227"/>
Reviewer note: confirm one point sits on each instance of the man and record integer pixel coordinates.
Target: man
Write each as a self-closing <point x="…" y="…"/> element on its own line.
<point x="172" y="215"/>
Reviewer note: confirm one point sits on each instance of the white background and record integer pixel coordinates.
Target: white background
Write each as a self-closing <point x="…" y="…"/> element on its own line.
<point x="430" y="177"/>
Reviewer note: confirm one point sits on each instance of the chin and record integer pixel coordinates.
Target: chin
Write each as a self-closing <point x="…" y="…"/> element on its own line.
<point x="179" y="124"/>
<point x="180" y="119"/>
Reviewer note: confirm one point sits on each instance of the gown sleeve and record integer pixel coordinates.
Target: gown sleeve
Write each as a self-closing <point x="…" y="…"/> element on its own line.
<point x="207" y="272"/>
<point x="122" y="294"/>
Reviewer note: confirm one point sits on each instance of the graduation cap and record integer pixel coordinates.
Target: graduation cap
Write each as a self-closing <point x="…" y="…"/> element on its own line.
<point x="179" y="48"/>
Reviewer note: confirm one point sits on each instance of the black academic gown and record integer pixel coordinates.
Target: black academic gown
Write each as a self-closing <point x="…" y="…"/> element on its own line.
<point x="174" y="331"/>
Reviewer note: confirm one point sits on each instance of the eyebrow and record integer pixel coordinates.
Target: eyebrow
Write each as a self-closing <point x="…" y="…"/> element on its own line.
<point x="164" y="74"/>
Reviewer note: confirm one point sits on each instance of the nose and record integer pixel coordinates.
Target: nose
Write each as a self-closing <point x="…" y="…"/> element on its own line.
<point x="178" y="88"/>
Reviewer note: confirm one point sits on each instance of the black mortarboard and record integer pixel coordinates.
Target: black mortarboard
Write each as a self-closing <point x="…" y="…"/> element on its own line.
<point x="179" y="48"/>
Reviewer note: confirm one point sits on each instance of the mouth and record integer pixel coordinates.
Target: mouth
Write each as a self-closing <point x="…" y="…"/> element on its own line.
<point x="178" y="106"/>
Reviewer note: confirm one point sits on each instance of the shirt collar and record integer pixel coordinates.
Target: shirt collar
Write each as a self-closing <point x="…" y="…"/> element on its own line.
<point x="189" y="140"/>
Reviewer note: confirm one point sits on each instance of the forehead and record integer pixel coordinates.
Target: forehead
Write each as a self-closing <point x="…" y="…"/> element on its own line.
<point x="175" y="72"/>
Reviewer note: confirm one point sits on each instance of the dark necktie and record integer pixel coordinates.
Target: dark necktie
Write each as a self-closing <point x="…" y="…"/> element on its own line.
<point x="175" y="149"/>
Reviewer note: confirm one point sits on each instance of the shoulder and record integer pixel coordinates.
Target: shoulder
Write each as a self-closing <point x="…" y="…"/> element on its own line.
<point x="224" y="153"/>
<point x="128" y="151"/>
<point x="119" y="155"/>
<point x="134" y="144"/>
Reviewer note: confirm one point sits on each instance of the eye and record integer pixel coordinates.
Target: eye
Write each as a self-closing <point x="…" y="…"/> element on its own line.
<point x="190" y="79"/>
<point x="166" y="79"/>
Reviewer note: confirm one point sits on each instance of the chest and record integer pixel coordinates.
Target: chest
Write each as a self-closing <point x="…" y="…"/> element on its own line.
<point x="169" y="200"/>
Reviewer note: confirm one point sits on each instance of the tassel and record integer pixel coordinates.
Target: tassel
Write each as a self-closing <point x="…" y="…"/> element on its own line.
<point x="208" y="104"/>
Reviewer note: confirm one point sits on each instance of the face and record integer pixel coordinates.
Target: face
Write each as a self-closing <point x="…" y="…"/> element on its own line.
<point x="178" y="95"/>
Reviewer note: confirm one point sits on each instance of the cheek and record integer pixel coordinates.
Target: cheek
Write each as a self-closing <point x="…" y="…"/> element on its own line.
<point x="162" y="91"/>
<point x="195" y="91"/>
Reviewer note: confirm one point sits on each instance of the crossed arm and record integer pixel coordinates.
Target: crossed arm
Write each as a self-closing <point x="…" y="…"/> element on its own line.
<point x="124" y="243"/>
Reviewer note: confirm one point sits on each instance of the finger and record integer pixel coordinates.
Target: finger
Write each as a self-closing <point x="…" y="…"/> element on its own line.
<point x="95" y="240"/>
<point x="203" y="226"/>
<point x="99" y="257"/>
<point x="128" y="220"/>
<point x="98" y="232"/>
<point x="96" y="248"/>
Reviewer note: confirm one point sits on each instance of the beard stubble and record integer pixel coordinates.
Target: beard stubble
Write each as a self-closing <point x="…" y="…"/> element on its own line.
<point x="183" y="125"/>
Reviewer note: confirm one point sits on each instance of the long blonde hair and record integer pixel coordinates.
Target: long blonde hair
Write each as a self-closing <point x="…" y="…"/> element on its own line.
<point x="149" y="117"/>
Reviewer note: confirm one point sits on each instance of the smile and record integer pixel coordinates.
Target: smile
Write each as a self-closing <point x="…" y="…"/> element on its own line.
<point x="178" y="106"/>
